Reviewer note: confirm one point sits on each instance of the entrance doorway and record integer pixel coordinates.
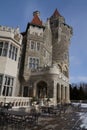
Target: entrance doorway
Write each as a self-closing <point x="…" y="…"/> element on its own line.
<point x="42" y="89"/>
<point x="25" y="92"/>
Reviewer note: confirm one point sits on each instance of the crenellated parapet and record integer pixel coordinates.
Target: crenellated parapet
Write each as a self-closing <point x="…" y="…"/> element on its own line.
<point x="10" y="32"/>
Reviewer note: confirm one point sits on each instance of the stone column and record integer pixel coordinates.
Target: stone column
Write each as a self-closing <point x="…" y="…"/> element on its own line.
<point x="59" y="92"/>
<point x="62" y="94"/>
<point x="67" y="95"/>
<point x="55" y="92"/>
<point x="34" y="90"/>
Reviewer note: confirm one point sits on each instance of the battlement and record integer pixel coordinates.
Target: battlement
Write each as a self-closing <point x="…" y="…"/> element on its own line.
<point x="9" y="29"/>
<point x="11" y="32"/>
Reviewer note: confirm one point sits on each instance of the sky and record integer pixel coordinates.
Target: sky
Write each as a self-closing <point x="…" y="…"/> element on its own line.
<point x="15" y="13"/>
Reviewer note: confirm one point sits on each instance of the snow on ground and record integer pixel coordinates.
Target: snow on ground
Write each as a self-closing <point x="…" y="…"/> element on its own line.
<point x="83" y="116"/>
<point x="83" y="105"/>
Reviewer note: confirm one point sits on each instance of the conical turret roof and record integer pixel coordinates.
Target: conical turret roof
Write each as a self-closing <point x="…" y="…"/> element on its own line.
<point x="36" y="20"/>
<point x="56" y="13"/>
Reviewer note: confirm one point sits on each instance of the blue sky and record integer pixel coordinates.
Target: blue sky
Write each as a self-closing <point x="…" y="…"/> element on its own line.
<point x="15" y="13"/>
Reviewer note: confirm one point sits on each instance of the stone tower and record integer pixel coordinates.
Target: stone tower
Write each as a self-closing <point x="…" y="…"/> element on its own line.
<point x="61" y="34"/>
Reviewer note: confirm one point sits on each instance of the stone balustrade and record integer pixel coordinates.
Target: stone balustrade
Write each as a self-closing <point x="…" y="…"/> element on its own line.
<point x="16" y="101"/>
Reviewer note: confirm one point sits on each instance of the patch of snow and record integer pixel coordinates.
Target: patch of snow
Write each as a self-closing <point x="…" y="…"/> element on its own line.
<point x="83" y="117"/>
<point x="83" y="105"/>
<point x="84" y="123"/>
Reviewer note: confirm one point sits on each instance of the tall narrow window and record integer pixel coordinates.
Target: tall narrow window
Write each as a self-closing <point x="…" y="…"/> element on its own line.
<point x="3" y="48"/>
<point x="38" y="46"/>
<point x="8" y="86"/>
<point x="1" y="80"/>
<point x="13" y="52"/>
<point x="33" y="46"/>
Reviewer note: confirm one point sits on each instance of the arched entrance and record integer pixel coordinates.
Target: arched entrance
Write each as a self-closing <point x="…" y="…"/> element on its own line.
<point x="42" y="89"/>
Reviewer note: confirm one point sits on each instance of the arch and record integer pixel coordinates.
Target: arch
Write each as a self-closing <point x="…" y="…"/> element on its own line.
<point x="41" y="89"/>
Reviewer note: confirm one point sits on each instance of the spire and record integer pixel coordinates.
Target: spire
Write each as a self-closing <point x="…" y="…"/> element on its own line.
<point x="56" y="13"/>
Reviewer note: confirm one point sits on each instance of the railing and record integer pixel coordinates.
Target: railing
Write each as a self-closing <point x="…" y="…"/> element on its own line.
<point x="16" y="101"/>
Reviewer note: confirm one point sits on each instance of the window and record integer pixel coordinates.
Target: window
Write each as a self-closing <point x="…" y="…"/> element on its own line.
<point x="3" y="48"/>
<point x="33" y="62"/>
<point x="1" y="80"/>
<point x="8" y="86"/>
<point x="33" y="45"/>
<point x="13" y="52"/>
<point x="38" y="46"/>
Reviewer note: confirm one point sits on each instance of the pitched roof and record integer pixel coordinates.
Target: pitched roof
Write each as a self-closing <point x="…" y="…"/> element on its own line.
<point x="56" y="13"/>
<point x="36" y="20"/>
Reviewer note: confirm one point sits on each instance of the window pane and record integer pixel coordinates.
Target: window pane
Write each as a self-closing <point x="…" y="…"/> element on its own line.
<point x="10" y="91"/>
<point x="1" y="78"/>
<point x="9" y="53"/>
<point x="7" y="91"/>
<point x="33" y="60"/>
<point x="11" y="47"/>
<point x="1" y="44"/>
<point x="8" y="81"/>
<point x="4" y="89"/>
<point x="38" y="46"/>
<point x="6" y="45"/>
<point x="30" y="60"/>
<point x="16" y="50"/>
<point x="4" y="52"/>
<point x="5" y="80"/>
<point x="0" y="51"/>
<point x="12" y="81"/>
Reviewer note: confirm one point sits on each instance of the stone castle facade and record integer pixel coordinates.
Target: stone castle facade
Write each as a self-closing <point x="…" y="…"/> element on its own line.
<point x="43" y="63"/>
<point x="45" y="58"/>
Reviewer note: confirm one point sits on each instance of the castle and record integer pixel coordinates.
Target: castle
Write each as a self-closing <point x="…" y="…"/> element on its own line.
<point x="35" y="63"/>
